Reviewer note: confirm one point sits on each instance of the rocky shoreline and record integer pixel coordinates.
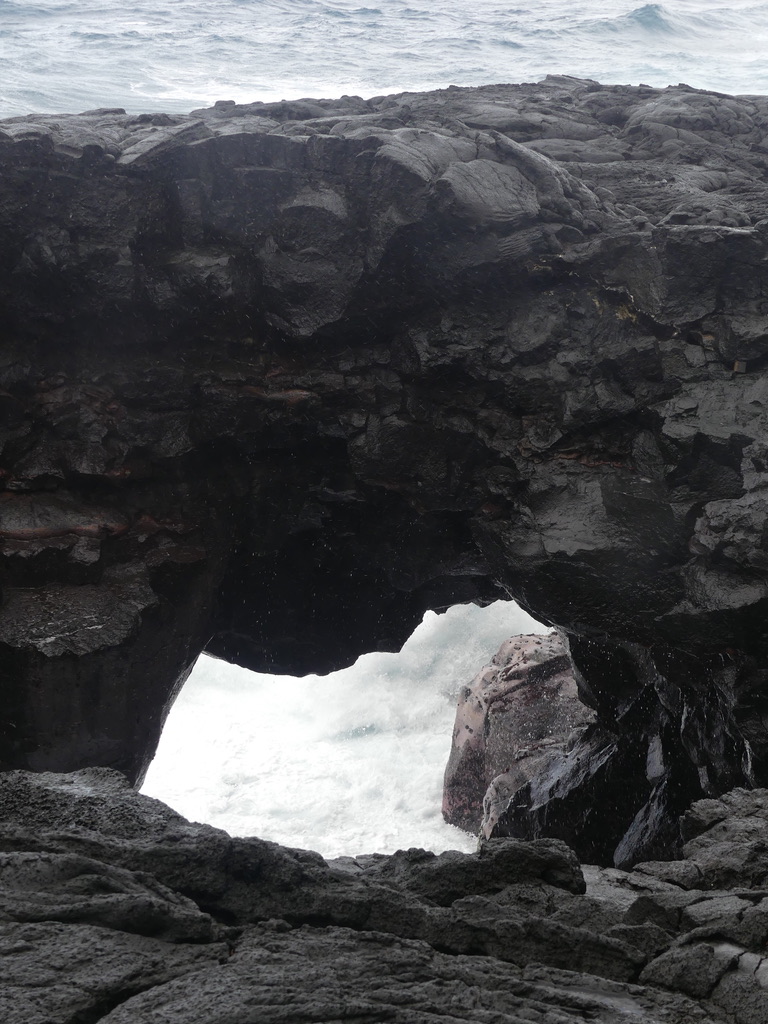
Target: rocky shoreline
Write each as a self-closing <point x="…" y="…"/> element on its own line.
<point x="114" y="909"/>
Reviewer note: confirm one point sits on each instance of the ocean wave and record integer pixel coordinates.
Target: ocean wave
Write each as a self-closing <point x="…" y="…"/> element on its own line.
<point x="686" y="23"/>
<point x="650" y="19"/>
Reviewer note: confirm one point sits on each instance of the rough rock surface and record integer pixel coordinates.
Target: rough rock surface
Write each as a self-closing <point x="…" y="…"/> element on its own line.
<point x="517" y="713"/>
<point x="275" y="378"/>
<point x="115" y="909"/>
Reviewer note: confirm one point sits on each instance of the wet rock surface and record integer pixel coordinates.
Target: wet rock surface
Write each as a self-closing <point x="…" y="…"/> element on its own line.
<point x="114" y="908"/>
<point x="276" y="378"/>
<point x="517" y="713"/>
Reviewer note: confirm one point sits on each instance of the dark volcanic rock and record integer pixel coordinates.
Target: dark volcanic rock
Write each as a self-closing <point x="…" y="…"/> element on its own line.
<point x="276" y="378"/>
<point x="518" y="712"/>
<point x="114" y="908"/>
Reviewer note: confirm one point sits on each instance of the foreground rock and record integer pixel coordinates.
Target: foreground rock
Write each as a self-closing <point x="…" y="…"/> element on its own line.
<point x="517" y="714"/>
<point x="276" y="378"/>
<point x="114" y="908"/>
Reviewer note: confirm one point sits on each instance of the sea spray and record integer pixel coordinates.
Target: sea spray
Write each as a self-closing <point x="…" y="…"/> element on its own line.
<point x="347" y="763"/>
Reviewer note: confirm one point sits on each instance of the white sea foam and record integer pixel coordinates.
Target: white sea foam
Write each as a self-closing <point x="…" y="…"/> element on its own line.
<point x="347" y="763"/>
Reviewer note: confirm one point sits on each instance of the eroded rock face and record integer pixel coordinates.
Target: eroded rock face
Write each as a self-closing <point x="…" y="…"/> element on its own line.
<point x="517" y="713"/>
<point x="114" y="908"/>
<point x="277" y="378"/>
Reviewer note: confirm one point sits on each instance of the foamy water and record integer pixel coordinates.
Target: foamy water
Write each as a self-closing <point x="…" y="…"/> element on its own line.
<point x="347" y="763"/>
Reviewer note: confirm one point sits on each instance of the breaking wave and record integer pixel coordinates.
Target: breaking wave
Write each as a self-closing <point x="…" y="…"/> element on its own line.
<point x="346" y="763"/>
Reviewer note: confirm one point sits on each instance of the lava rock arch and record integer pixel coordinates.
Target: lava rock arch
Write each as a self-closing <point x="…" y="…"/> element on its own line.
<point x="277" y="378"/>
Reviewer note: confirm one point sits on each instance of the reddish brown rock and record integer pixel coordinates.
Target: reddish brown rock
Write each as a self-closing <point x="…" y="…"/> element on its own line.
<point x="518" y="711"/>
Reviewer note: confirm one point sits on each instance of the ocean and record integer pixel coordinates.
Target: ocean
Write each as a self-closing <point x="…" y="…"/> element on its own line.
<point x="352" y="762"/>
<point x="143" y="55"/>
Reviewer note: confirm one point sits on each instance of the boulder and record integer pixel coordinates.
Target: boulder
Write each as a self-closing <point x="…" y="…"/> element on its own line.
<point x="518" y="712"/>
